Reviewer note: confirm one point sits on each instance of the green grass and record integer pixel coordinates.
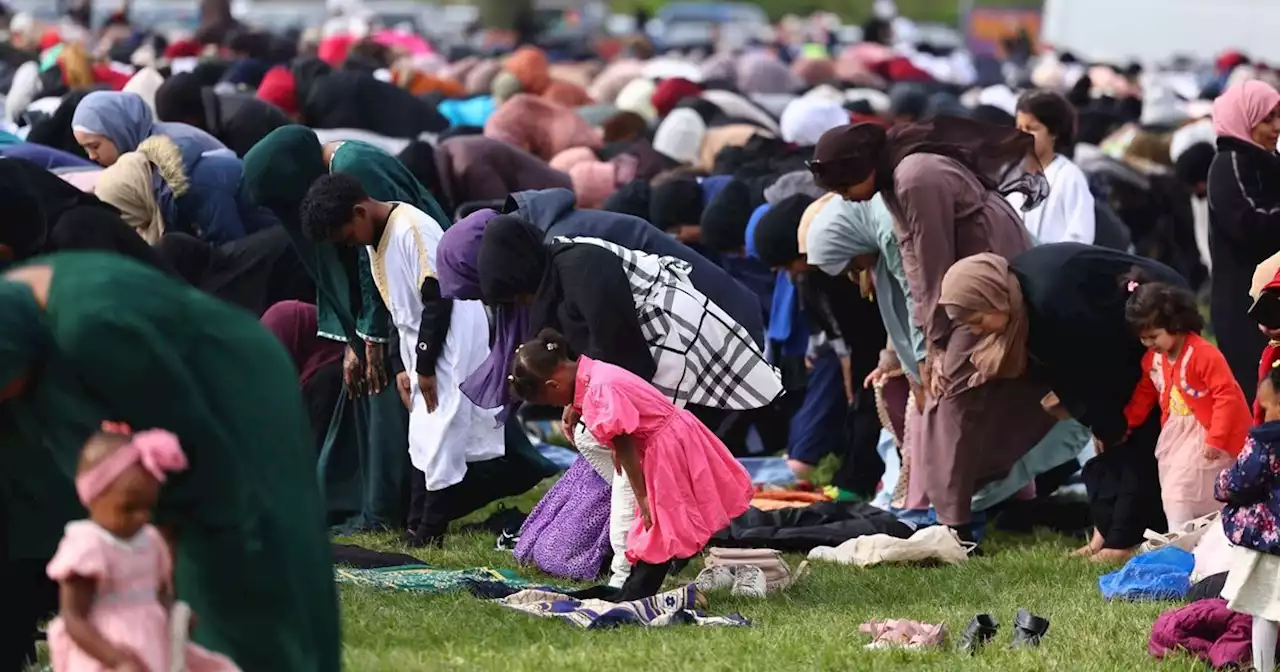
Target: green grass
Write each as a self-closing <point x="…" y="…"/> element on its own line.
<point x="813" y="626"/>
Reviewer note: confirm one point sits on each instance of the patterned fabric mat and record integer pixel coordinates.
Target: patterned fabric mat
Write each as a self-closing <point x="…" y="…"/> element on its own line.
<point x="425" y="579"/>
<point x="679" y="606"/>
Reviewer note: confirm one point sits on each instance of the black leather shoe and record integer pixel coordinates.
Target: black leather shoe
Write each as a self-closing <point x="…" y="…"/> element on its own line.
<point x="1028" y="629"/>
<point x="979" y="631"/>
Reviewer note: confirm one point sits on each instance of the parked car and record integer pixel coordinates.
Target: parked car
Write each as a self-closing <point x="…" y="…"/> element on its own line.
<point x="682" y="25"/>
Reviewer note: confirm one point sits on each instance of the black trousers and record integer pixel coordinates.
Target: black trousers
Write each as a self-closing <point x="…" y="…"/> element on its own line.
<point x="645" y="581"/>
<point x="431" y="512"/>
<point x="860" y="466"/>
<point x="1124" y="488"/>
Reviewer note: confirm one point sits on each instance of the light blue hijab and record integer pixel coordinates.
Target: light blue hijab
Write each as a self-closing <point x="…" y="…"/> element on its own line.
<point x="125" y="120"/>
<point x="843" y="230"/>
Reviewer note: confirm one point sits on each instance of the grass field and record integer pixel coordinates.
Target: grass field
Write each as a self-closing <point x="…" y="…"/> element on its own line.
<point x="813" y="626"/>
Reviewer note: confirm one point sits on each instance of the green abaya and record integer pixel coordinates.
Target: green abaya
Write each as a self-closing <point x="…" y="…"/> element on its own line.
<point x="365" y="457"/>
<point x="123" y="342"/>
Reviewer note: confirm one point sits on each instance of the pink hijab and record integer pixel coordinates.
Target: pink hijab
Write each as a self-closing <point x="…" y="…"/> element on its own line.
<point x="539" y="127"/>
<point x="1243" y="106"/>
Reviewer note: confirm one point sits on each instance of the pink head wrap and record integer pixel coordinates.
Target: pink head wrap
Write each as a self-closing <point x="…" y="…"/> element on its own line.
<point x="156" y="449"/>
<point x="1243" y="106"/>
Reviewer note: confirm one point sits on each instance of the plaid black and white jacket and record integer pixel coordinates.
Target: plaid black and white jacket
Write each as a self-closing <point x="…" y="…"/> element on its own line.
<point x="703" y="356"/>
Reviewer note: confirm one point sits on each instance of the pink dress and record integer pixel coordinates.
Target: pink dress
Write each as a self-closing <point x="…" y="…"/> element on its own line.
<point x="126" y="608"/>
<point x="695" y="486"/>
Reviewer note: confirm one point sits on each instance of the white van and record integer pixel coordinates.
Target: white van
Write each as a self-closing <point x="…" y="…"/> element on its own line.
<point x="1155" y="30"/>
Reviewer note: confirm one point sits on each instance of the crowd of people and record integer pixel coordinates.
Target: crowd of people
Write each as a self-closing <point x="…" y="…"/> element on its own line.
<point x="263" y="289"/>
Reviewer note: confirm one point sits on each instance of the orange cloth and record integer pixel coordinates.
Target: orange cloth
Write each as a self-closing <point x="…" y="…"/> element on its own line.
<point x="530" y="66"/>
<point x="419" y="83"/>
<point x="1204" y="383"/>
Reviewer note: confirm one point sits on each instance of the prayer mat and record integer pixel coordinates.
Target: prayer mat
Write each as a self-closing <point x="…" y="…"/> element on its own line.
<point x="425" y="579"/>
<point x="682" y="605"/>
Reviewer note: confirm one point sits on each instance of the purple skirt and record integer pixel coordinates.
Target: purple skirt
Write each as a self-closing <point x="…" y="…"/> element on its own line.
<point x="567" y="533"/>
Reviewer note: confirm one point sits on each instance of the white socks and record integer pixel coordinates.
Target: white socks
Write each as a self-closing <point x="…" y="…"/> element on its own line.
<point x="1264" y="644"/>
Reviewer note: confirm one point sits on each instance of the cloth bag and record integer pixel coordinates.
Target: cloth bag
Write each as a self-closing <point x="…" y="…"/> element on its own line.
<point x="937" y="543"/>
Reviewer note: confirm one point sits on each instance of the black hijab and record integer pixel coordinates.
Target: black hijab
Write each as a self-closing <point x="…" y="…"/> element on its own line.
<point x="513" y="259"/>
<point x="676" y="203"/>
<point x="101" y="229"/>
<point x="23" y="224"/>
<point x="724" y="221"/>
<point x="55" y="131"/>
<point x="776" y="236"/>
<point x="631" y="199"/>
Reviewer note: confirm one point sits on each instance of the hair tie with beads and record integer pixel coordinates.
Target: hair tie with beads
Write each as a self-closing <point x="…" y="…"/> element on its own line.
<point x="551" y="347"/>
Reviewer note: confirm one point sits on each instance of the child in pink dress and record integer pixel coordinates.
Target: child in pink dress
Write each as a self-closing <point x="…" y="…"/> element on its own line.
<point x="1204" y="418"/>
<point x="114" y="569"/>
<point x="687" y="485"/>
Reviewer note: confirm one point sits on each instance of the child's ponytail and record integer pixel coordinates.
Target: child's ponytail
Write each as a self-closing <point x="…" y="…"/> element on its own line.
<point x="535" y="361"/>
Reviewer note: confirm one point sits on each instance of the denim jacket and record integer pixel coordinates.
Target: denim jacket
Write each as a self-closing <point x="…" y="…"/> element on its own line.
<point x="1250" y="488"/>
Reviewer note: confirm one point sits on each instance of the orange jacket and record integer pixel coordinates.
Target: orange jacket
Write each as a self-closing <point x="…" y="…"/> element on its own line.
<point x="1205" y="383"/>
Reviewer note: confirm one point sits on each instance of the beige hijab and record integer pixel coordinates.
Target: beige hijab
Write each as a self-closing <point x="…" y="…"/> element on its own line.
<point x="128" y="186"/>
<point x="983" y="283"/>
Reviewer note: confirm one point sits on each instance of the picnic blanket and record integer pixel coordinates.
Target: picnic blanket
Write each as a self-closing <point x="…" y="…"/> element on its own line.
<point x="679" y="606"/>
<point x="425" y="579"/>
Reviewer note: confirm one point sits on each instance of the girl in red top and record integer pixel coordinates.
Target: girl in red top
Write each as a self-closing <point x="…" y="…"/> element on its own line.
<point x="1203" y="413"/>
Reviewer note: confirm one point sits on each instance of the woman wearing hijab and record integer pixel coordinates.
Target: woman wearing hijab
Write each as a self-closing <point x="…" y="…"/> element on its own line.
<point x="633" y="309"/>
<point x="1057" y="313"/>
<point x="89" y="337"/>
<point x="1244" y="217"/>
<point x="937" y="181"/>
<point x="108" y="124"/>
<point x="539" y="127"/>
<point x="318" y="360"/>
<point x="849" y="238"/>
<point x="563" y="533"/>
<point x="156" y="194"/>
<point x="365" y="461"/>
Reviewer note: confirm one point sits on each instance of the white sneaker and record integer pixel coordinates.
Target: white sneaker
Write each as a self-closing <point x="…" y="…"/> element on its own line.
<point x="749" y="581"/>
<point x="714" y="578"/>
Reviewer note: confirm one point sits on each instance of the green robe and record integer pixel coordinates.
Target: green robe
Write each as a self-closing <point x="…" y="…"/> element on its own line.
<point x="129" y="344"/>
<point x="365" y="457"/>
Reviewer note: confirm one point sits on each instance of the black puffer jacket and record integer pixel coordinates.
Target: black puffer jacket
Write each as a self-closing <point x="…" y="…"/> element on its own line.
<point x="1244" y="229"/>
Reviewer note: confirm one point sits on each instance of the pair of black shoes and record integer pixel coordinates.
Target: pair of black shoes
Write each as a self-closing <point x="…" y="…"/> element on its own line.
<point x="1028" y="630"/>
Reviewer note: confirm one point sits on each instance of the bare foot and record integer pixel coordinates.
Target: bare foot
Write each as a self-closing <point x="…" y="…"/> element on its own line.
<point x="1094" y="545"/>
<point x="1112" y="555"/>
<point x="1083" y="552"/>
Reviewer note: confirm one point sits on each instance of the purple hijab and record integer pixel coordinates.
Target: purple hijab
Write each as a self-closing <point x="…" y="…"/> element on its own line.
<point x="459" y="276"/>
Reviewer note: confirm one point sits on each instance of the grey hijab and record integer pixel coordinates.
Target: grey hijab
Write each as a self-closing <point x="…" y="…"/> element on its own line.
<point x="843" y="230"/>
